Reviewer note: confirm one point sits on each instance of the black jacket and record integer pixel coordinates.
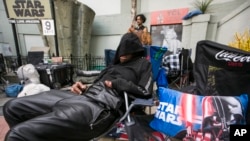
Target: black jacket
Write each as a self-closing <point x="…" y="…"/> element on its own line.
<point x="134" y="76"/>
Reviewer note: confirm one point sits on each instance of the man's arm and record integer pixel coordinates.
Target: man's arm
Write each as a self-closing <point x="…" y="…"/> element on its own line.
<point x="131" y="29"/>
<point x="143" y="89"/>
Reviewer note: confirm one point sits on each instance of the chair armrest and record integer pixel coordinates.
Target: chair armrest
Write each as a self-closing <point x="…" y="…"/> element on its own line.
<point x="137" y="101"/>
<point x="144" y="102"/>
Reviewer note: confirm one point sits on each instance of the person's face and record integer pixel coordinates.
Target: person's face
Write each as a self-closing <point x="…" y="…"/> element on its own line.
<point x="139" y="21"/>
<point x="125" y="58"/>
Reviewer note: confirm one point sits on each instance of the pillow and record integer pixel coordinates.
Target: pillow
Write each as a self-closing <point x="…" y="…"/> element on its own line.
<point x="182" y="115"/>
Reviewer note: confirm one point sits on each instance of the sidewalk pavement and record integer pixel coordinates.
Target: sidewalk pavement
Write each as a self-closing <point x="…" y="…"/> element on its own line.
<point x="11" y="77"/>
<point x="3" y="125"/>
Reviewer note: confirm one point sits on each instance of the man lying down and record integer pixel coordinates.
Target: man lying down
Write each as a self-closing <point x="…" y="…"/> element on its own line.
<point x="84" y="112"/>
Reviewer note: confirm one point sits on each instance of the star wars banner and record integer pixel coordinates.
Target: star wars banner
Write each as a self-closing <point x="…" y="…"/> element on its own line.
<point x="201" y="118"/>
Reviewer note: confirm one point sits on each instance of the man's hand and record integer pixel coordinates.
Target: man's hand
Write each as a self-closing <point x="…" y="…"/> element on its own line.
<point x="131" y="29"/>
<point x="78" y="88"/>
<point x="108" y="83"/>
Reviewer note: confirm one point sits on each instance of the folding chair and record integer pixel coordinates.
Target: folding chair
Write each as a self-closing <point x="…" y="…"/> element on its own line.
<point x="219" y="71"/>
<point x="130" y="123"/>
<point x="222" y="70"/>
<point x="178" y="68"/>
<point x="140" y="123"/>
<point x="221" y="74"/>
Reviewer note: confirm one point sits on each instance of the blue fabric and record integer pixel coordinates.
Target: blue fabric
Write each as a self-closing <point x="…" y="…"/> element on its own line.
<point x="156" y="54"/>
<point x="191" y="14"/>
<point x="109" y="56"/>
<point x="162" y="79"/>
<point x="13" y="90"/>
<point x="177" y="111"/>
<point x="147" y="52"/>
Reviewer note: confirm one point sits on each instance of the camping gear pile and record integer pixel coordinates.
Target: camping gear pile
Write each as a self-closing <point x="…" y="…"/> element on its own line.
<point x="206" y="109"/>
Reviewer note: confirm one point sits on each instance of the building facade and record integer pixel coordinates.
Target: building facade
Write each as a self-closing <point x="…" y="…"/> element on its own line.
<point x="112" y="19"/>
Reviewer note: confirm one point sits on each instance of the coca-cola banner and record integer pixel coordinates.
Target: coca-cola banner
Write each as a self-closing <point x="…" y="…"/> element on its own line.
<point x="221" y="70"/>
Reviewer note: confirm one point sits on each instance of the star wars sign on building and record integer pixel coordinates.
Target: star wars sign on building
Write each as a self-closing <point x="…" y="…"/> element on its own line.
<point x="28" y="9"/>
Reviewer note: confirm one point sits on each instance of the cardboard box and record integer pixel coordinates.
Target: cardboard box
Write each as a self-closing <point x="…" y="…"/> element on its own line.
<point x="44" y="49"/>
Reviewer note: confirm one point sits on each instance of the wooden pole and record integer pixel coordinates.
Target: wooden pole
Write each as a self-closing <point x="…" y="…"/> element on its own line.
<point x="133" y="9"/>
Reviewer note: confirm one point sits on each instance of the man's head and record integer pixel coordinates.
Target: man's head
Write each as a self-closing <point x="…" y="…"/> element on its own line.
<point x="140" y="18"/>
<point x="125" y="58"/>
<point x="129" y="47"/>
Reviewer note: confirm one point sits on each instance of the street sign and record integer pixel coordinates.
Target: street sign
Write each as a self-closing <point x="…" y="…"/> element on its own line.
<point x="48" y="27"/>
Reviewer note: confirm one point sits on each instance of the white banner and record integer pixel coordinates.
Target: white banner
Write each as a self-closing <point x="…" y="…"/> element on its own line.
<point x="48" y="27"/>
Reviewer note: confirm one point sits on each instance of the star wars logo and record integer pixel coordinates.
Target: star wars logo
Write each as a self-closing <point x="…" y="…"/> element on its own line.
<point x="28" y="8"/>
<point x="168" y="112"/>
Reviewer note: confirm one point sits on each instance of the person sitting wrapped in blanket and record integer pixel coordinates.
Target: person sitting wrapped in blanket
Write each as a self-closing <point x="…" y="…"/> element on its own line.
<point x="82" y="113"/>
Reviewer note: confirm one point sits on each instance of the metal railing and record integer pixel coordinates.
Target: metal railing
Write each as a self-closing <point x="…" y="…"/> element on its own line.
<point x="78" y="62"/>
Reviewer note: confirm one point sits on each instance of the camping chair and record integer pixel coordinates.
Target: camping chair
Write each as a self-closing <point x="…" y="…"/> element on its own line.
<point x="222" y="75"/>
<point x="178" y="68"/>
<point x="134" y="124"/>
<point x="221" y="68"/>
<point x="131" y="123"/>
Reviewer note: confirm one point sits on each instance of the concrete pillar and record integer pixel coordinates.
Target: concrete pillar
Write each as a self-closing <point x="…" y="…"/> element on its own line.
<point x="74" y="25"/>
<point x="194" y="30"/>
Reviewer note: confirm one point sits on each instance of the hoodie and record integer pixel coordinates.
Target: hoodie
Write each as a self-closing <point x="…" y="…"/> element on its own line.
<point x="133" y="76"/>
<point x="129" y="44"/>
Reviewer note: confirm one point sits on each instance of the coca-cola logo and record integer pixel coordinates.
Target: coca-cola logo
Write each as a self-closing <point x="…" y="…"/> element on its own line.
<point x="231" y="56"/>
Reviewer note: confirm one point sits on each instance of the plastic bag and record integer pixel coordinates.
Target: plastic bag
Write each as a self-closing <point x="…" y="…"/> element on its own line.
<point x="13" y="90"/>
